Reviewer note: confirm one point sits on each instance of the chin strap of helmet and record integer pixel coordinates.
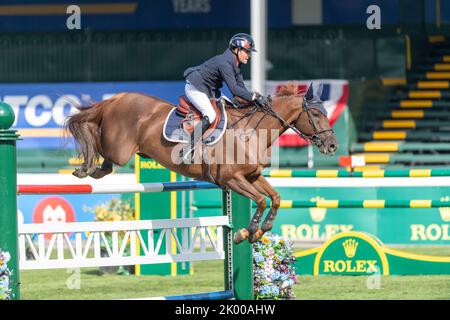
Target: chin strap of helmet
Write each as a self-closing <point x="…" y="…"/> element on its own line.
<point x="236" y="54"/>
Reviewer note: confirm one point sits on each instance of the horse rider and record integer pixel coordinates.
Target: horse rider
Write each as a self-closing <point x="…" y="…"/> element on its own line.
<point x="203" y="82"/>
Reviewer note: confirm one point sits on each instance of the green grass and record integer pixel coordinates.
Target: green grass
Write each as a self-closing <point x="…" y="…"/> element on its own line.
<point x="52" y="284"/>
<point x="390" y="288"/>
<point x="387" y="287"/>
<point x="208" y="276"/>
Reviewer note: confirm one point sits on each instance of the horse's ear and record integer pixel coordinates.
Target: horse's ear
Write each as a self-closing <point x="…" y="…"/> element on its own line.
<point x="309" y="94"/>
<point x="319" y="90"/>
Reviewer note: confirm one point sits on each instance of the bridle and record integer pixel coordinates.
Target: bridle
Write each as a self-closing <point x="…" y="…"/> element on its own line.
<point x="314" y="138"/>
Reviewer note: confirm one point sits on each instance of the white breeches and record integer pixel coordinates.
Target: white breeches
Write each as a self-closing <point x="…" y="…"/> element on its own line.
<point x="200" y="101"/>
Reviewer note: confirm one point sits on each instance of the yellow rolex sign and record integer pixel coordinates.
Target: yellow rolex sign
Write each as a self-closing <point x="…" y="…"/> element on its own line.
<point x="350" y="253"/>
<point x="347" y="253"/>
<point x="358" y="253"/>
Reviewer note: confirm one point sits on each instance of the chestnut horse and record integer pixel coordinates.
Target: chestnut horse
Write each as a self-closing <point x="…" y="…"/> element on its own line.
<point x="130" y="123"/>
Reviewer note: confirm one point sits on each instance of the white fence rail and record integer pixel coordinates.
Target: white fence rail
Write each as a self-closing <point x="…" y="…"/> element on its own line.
<point x="178" y="238"/>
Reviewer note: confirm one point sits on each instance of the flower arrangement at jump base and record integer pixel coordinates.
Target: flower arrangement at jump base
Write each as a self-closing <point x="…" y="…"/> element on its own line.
<point x="114" y="210"/>
<point x="5" y="291"/>
<point x="274" y="268"/>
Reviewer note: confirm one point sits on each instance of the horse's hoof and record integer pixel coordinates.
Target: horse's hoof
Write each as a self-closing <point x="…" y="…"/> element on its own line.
<point x="255" y="236"/>
<point x="98" y="174"/>
<point x="267" y="227"/>
<point x="240" y="235"/>
<point x="80" y="174"/>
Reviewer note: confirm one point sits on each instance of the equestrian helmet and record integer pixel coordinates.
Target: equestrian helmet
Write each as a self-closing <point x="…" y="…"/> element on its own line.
<point x="242" y="41"/>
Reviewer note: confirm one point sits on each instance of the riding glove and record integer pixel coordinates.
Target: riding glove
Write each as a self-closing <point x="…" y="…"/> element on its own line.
<point x="261" y="101"/>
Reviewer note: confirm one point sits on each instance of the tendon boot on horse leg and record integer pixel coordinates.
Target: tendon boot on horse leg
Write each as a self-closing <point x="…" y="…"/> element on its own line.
<point x="261" y="184"/>
<point x="196" y="136"/>
<point x="275" y="205"/>
<point x="272" y="214"/>
<point x="268" y="221"/>
<point x="253" y="228"/>
<point x="107" y="168"/>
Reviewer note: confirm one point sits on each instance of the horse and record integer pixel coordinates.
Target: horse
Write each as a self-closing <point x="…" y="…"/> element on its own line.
<point x="132" y="123"/>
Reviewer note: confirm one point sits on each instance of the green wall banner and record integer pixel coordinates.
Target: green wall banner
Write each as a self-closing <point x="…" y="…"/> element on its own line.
<point x="413" y="226"/>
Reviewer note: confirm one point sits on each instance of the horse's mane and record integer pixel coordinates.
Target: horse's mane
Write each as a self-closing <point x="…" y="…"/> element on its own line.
<point x="289" y="89"/>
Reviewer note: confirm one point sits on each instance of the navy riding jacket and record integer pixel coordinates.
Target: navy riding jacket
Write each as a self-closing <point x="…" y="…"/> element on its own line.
<point x="209" y="76"/>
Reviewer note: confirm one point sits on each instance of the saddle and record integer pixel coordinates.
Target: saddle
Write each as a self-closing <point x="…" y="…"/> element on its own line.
<point x="181" y="121"/>
<point x="192" y="115"/>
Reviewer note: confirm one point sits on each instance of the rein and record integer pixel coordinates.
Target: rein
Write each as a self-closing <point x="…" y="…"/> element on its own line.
<point x="269" y="111"/>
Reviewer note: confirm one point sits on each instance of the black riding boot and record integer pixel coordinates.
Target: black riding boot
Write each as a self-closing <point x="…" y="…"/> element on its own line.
<point x="196" y="136"/>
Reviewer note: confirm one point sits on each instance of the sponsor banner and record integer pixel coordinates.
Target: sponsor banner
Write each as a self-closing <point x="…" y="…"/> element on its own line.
<point x="51" y="15"/>
<point x="41" y="109"/>
<point x="334" y="94"/>
<point x="359" y="253"/>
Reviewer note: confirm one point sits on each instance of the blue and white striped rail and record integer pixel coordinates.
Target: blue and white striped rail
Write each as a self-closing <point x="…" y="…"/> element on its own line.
<point x="217" y="295"/>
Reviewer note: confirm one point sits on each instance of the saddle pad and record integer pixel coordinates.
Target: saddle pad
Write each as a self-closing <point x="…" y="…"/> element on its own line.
<point x="173" y="131"/>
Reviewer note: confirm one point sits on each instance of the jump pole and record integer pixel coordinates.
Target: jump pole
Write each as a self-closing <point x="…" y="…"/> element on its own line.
<point x="238" y="270"/>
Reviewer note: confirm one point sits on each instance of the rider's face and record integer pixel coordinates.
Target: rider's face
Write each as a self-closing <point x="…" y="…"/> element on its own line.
<point x="244" y="56"/>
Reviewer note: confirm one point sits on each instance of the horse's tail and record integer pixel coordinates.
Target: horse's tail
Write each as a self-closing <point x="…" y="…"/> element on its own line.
<point x="84" y="127"/>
